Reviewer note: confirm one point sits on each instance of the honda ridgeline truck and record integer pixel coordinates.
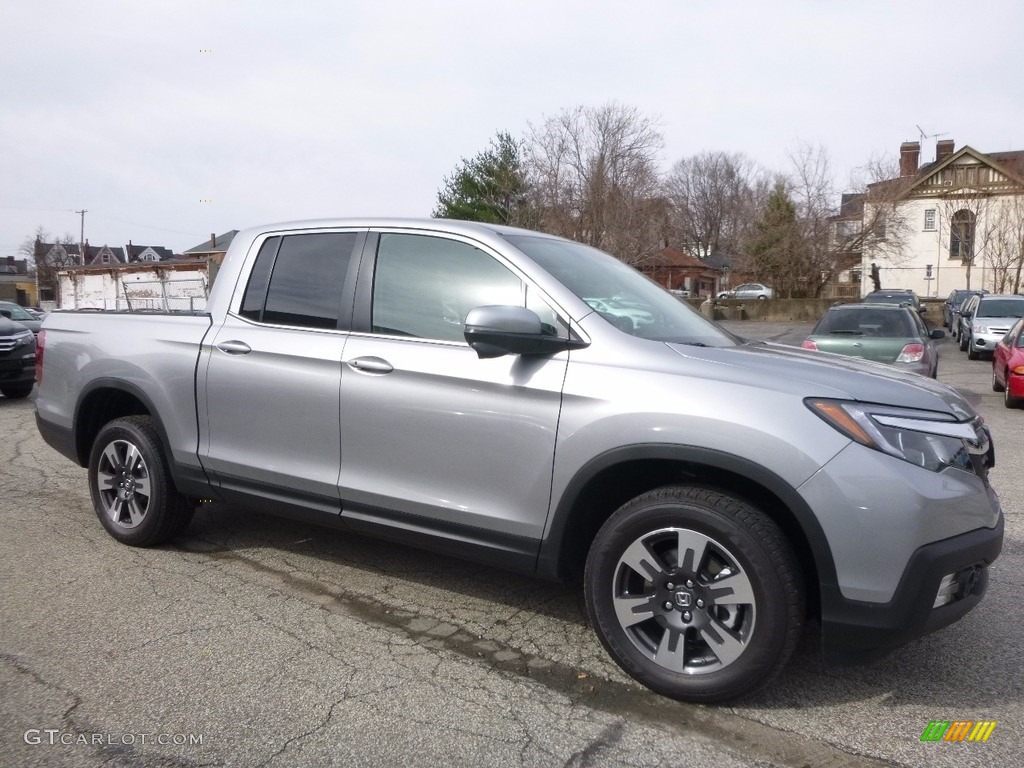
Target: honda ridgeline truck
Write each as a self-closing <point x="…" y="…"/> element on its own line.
<point x="533" y="403"/>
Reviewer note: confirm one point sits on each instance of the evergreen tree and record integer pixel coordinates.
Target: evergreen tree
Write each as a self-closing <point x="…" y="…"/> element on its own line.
<point x="490" y="187"/>
<point x="776" y="248"/>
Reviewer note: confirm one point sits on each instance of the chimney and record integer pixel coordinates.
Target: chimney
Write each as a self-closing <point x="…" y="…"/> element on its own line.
<point x="213" y="239"/>
<point x="943" y="149"/>
<point x="910" y="153"/>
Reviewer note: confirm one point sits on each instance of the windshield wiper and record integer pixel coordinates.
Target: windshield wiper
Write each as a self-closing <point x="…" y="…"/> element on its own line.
<point x="847" y="333"/>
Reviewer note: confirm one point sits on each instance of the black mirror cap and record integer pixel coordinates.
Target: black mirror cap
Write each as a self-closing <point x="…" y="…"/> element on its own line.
<point x="938" y="333"/>
<point x="499" y="330"/>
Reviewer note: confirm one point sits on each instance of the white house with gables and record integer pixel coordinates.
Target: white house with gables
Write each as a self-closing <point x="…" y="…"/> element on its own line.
<point x="954" y="223"/>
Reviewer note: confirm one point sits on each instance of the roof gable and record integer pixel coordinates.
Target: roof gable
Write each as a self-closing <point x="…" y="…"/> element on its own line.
<point x="673" y="257"/>
<point x="969" y="168"/>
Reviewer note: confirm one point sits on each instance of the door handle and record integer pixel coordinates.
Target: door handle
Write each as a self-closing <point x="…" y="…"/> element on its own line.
<point x="234" y="347"/>
<point x="371" y="365"/>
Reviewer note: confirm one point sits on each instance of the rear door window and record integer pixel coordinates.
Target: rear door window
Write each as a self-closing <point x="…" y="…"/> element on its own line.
<point x="299" y="280"/>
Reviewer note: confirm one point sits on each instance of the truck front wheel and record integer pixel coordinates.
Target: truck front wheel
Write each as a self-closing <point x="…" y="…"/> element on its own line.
<point x="695" y="593"/>
<point x="132" y="489"/>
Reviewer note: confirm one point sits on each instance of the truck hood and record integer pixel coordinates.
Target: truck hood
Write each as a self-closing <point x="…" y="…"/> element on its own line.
<point x="832" y="376"/>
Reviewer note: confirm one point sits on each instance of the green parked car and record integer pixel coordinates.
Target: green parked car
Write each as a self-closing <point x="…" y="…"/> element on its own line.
<point x="892" y="334"/>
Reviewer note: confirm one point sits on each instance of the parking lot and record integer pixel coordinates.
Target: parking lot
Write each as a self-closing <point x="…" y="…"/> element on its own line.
<point x="253" y="640"/>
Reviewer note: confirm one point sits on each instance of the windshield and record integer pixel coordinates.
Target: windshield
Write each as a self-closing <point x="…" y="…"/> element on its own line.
<point x="1001" y="308"/>
<point x="620" y="294"/>
<point x="866" y="322"/>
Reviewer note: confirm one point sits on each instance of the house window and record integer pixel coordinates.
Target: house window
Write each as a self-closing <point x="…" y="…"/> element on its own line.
<point x="929" y="219"/>
<point x="961" y="236"/>
<point x="105" y="258"/>
<point x="879" y="229"/>
<point x="855" y="275"/>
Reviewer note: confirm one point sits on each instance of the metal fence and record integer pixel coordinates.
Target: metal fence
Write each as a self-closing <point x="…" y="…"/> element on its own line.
<point x="184" y="295"/>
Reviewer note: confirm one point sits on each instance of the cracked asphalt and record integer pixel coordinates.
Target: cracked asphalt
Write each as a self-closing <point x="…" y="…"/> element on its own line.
<point x="282" y="644"/>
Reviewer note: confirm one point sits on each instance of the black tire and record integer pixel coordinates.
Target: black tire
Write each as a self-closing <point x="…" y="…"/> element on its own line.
<point x="689" y="642"/>
<point x="1008" y="401"/>
<point x="132" y="490"/>
<point x="972" y="351"/>
<point x="996" y="386"/>
<point x="17" y="392"/>
<point x="964" y="341"/>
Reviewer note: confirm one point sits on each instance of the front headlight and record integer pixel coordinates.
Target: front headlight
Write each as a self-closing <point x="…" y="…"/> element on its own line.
<point x="930" y="440"/>
<point x="979" y="328"/>
<point x="22" y="339"/>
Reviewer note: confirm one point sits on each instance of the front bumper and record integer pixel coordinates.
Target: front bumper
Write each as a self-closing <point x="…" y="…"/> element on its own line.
<point x="18" y="369"/>
<point x="855" y="632"/>
<point x="986" y="342"/>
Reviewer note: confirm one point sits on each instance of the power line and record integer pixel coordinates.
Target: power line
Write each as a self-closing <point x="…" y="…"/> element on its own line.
<point x="51" y="210"/>
<point x="145" y="226"/>
<point x="109" y="218"/>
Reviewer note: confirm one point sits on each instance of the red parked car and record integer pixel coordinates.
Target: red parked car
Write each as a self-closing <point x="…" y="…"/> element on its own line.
<point x="1008" y="366"/>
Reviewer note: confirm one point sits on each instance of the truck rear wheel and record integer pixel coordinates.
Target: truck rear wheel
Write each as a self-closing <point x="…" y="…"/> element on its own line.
<point x="131" y="485"/>
<point x="695" y="593"/>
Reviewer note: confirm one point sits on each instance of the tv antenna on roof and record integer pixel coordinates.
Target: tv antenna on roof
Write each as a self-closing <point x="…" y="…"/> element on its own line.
<point x="924" y="136"/>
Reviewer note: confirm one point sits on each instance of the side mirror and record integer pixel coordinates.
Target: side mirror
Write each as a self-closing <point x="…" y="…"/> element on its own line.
<point x="938" y="333"/>
<point x="6" y="313"/>
<point x="923" y="309"/>
<point x="507" y="330"/>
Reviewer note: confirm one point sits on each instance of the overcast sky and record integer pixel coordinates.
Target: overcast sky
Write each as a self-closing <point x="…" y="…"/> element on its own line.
<point x="140" y="112"/>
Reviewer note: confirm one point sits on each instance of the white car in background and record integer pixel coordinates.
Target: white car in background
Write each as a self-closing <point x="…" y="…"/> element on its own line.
<point x="748" y="291"/>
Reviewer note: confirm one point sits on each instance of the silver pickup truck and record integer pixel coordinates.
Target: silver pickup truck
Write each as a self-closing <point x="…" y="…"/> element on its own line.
<point x="524" y="400"/>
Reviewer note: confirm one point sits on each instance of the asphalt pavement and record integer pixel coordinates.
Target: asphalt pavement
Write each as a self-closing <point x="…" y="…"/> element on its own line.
<point x="252" y="640"/>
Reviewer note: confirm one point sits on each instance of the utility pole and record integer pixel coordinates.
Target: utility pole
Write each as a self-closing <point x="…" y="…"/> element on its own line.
<point x="81" y="236"/>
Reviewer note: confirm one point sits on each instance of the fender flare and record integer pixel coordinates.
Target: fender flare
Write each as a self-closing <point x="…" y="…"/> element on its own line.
<point x="552" y="545"/>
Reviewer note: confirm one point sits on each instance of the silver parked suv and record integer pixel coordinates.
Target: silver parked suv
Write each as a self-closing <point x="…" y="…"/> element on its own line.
<point x="538" y="405"/>
<point x="986" y="319"/>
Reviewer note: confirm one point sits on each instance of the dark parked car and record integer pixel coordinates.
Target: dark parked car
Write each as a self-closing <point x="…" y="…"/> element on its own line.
<point x="951" y="307"/>
<point x="894" y="335"/>
<point x="19" y="314"/>
<point x="17" y="359"/>
<point x="1008" y="366"/>
<point x="896" y="296"/>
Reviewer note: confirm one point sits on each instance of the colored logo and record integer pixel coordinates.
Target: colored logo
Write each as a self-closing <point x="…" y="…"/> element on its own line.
<point x="958" y="730"/>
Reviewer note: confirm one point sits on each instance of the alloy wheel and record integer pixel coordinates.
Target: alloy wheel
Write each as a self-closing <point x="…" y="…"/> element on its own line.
<point x="123" y="482"/>
<point x="683" y="601"/>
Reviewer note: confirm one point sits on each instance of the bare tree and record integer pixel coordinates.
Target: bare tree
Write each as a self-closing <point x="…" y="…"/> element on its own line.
<point x="966" y="214"/>
<point x="1003" y="237"/>
<point x="47" y="255"/>
<point x="836" y="238"/>
<point x="715" y="197"/>
<point x="594" y="173"/>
